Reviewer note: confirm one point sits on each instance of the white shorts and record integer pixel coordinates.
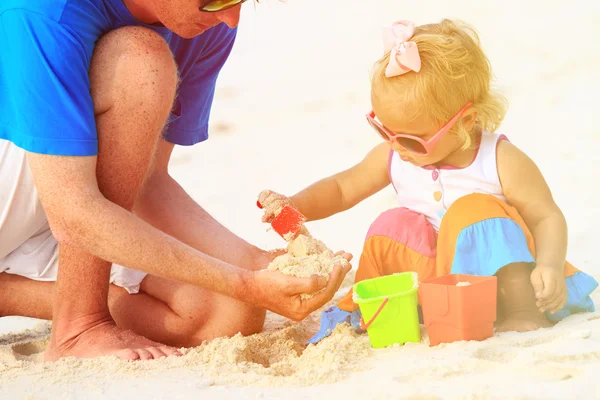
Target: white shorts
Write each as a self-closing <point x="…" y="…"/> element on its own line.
<point x="27" y="246"/>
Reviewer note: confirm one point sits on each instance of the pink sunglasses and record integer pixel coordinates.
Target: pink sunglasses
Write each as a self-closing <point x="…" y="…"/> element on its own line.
<point x="414" y="144"/>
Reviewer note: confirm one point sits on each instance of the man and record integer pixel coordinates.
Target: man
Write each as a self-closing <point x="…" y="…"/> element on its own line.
<point x="94" y="94"/>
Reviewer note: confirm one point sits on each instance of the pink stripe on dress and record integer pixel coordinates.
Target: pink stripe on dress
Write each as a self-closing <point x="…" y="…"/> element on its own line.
<point x="407" y="227"/>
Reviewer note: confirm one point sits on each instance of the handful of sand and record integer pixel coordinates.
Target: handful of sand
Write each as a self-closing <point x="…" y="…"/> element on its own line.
<point x="305" y="257"/>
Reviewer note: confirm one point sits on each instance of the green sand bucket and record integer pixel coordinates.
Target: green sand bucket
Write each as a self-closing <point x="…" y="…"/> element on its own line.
<point x="389" y="304"/>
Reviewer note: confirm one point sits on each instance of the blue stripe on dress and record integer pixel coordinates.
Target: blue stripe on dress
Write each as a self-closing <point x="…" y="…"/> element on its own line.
<point x="486" y="246"/>
<point x="579" y="288"/>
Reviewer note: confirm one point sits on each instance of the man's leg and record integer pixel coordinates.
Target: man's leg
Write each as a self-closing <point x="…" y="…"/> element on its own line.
<point x="20" y="296"/>
<point x="133" y="80"/>
<point x="169" y="312"/>
<point x="23" y="231"/>
<point x="181" y="315"/>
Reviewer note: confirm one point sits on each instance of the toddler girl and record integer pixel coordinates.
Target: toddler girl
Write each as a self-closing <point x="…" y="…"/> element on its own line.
<point x="469" y="201"/>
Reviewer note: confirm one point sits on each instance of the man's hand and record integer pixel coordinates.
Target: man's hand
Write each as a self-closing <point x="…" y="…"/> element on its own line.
<point x="267" y="257"/>
<point x="550" y="288"/>
<point x="281" y="294"/>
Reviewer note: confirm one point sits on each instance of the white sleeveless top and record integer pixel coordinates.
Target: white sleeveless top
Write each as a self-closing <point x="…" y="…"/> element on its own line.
<point x="432" y="191"/>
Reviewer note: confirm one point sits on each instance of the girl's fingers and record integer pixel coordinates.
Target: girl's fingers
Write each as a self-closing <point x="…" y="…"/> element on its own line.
<point x="558" y="303"/>
<point x="549" y="291"/>
<point x="263" y="196"/>
<point x="538" y="285"/>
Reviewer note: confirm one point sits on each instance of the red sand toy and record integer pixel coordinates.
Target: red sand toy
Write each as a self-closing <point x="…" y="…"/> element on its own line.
<point x="288" y="223"/>
<point x="459" y="307"/>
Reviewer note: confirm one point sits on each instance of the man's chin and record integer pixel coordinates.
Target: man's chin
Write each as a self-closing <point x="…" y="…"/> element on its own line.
<point x="189" y="31"/>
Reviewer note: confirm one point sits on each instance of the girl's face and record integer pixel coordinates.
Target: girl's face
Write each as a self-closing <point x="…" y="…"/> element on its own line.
<point x="421" y="127"/>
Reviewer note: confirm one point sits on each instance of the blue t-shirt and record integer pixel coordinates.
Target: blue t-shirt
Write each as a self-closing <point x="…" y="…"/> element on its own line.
<point x="45" y="52"/>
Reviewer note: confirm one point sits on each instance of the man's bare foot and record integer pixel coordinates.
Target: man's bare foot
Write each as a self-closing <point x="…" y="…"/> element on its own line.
<point x="524" y="322"/>
<point x="106" y="339"/>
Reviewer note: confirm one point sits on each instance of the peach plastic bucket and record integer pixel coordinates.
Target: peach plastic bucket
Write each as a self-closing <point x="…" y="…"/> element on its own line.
<point x="453" y="312"/>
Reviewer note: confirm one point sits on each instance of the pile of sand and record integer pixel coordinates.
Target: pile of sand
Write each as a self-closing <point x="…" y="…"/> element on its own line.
<point x="283" y="355"/>
<point x="275" y="358"/>
<point x="305" y="257"/>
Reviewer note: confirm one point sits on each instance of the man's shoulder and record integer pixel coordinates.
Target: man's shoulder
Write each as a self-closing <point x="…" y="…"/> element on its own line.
<point x="73" y="14"/>
<point x="83" y="20"/>
<point x="51" y="9"/>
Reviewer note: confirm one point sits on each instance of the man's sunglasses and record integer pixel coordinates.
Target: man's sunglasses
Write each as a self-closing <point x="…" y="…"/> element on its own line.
<point x="219" y="5"/>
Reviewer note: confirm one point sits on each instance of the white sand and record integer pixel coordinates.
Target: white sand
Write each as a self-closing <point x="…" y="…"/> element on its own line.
<point x="307" y="257"/>
<point x="298" y="78"/>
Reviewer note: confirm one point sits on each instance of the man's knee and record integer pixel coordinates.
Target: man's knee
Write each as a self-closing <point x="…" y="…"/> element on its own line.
<point x="133" y="64"/>
<point x="227" y="323"/>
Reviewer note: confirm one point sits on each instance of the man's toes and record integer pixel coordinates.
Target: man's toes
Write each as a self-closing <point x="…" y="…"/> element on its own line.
<point x="144" y="354"/>
<point x="170" y="351"/>
<point x="128" y="355"/>
<point x="156" y="352"/>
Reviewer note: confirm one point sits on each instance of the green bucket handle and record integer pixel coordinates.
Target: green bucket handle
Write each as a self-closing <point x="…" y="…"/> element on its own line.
<point x="364" y="326"/>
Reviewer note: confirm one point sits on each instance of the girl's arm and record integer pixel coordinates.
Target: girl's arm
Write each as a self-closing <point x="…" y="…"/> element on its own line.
<point x="347" y="188"/>
<point x="526" y="190"/>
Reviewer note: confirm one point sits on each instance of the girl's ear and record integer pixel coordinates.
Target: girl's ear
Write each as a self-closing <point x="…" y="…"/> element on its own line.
<point x="468" y="119"/>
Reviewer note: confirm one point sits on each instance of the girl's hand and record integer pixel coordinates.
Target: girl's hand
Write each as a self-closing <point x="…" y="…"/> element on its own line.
<point x="272" y="203"/>
<point x="550" y="288"/>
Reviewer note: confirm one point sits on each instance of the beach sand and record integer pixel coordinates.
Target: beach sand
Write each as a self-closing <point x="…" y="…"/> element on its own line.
<point x="297" y="83"/>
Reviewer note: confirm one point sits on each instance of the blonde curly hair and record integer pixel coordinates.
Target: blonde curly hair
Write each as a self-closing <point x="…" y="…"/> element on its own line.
<point x="454" y="71"/>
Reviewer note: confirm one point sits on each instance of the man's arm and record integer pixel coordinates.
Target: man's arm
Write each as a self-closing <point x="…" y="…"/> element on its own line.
<point x="80" y="216"/>
<point x="166" y="205"/>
